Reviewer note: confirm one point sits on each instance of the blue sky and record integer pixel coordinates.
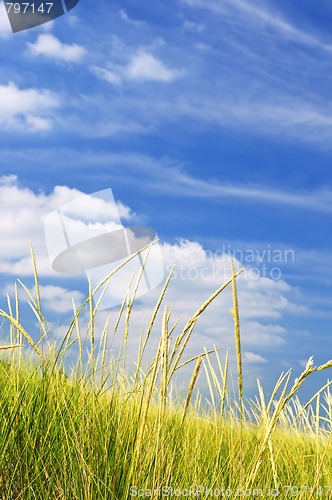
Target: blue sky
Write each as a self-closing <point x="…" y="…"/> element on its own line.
<point x="210" y="121"/>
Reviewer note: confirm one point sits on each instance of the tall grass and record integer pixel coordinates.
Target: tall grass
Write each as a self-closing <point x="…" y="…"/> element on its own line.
<point x="102" y="433"/>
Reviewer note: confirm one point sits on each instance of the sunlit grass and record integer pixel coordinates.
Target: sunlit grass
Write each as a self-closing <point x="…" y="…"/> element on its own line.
<point x="102" y="433"/>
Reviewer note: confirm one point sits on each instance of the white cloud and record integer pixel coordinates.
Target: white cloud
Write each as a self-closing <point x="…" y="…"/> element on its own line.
<point x="142" y="66"/>
<point x="22" y="215"/>
<point x="261" y="296"/>
<point x="55" y="299"/>
<point x="197" y="273"/>
<point x="251" y="357"/>
<point x="58" y="299"/>
<point x="50" y="46"/>
<point x="27" y="110"/>
<point x="36" y="123"/>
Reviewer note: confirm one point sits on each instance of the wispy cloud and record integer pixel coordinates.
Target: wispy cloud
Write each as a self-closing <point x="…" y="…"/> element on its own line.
<point x="124" y="16"/>
<point x="274" y="115"/>
<point x="263" y="16"/>
<point x="260" y="80"/>
<point x="257" y="79"/>
<point x="275" y="100"/>
<point x="157" y="173"/>
<point x="262" y="109"/>
<point x="131" y="168"/>
<point x="264" y="106"/>
<point x="185" y="185"/>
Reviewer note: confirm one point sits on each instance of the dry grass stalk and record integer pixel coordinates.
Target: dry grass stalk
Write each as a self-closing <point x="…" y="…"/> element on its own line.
<point x="14" y="346"/>
<point x="192" y="321"/>
<point x="191" y="387"/>
<point x="235" y="314"/>
<point x="22" y="331"/>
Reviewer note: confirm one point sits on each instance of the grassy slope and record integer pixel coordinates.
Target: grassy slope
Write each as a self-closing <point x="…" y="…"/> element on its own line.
<point x="60" y="440"/>
<point x="71" y="438"/>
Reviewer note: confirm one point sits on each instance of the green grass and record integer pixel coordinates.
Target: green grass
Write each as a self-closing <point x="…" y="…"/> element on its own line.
<point x="102" y="433"/>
